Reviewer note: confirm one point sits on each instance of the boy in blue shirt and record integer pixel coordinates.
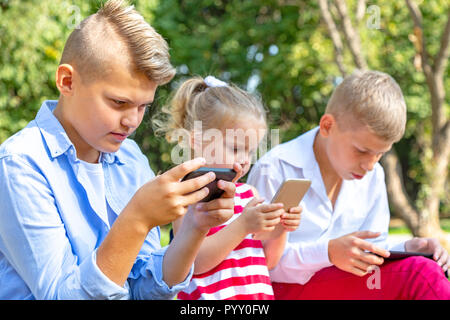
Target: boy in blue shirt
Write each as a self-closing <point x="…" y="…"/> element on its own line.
<point x="80" y="206"/>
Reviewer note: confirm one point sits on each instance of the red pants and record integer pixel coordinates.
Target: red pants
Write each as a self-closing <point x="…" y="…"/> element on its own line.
<point x="412" y="278"/>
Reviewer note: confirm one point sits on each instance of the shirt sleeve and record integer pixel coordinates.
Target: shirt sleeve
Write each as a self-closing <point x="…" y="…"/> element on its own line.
<point x="300" y="261"/>
<point x="33" y="240"/>
<point x="146" y="277"/>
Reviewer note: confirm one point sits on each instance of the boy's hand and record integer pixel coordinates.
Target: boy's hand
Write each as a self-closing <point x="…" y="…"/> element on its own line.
<point x="291" y="220"/>
<point x="348" y="252"/>
<point x="257" y="217"/>
<point x="164" y="198"/>
<point x="206" y="215"/>
<point x="432" y="246"/>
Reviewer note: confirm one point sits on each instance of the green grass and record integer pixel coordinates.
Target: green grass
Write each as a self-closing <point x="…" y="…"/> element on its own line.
<point x="399" y="230"/>
<point x="445" y="225"/>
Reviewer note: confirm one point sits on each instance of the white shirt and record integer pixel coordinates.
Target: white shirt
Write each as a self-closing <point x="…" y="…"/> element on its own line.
<point x="96" y="178"/>
<point x="361" y="205"/>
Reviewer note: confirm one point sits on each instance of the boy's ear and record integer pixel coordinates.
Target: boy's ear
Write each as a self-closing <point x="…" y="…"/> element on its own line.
<point x="64" y="79"/>
<point x="327" y="123"/>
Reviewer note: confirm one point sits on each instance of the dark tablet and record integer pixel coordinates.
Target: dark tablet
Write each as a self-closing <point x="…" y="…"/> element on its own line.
<point x="397" y="255"/>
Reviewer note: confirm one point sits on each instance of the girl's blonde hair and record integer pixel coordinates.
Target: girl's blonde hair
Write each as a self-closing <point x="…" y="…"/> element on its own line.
<point x="373" y="99"/>
<point x="213" y="106"/>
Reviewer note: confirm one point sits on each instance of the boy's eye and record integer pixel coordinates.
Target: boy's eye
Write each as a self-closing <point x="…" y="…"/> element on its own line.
<point x="118" y="102"/>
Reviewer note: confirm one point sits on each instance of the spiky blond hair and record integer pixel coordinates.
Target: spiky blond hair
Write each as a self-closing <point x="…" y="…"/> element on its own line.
<point x="118" y="33"/>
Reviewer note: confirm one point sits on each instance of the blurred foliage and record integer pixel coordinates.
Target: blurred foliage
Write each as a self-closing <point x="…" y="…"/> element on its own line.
<point x="32" y="36"/>
<point x="278" y="48"/>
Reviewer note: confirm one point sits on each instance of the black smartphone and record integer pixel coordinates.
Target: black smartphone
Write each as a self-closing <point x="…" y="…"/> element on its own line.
<point x="221" y="174"/>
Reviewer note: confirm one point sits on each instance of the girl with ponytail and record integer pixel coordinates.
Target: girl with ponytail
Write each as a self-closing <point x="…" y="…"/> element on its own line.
<point x="225" y="124"/>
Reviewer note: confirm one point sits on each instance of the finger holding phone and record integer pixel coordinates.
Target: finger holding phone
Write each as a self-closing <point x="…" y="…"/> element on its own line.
<point x="260" y="218"/>
<point x="192" y="228"/>
<point x="290" y="193"/>
<point x="285" y="222"/>
<point x="164" y="198"/>
<point x="350" y="252"/>
<point x="430" y="246"/>
<point x="217" y="206"/>
<point x="207" y="215"/>
<point x="158" y="202"/>
<point x="290" y="220"/>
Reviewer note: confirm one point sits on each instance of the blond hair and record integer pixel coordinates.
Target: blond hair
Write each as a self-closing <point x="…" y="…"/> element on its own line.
<point x="213" y="106"/>
<point x="118" y="33"/>
<point x="373" y="99"/>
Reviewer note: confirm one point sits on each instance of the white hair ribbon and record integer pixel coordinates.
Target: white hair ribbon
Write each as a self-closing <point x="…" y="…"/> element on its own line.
<point x="213" y="82"/>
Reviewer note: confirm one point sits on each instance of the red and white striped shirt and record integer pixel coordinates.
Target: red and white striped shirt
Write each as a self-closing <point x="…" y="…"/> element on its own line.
<point x="242" y="275"/>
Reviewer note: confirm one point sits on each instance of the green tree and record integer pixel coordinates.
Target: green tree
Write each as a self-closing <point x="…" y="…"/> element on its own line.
<point x="281" y="49"/>
<point x="32" y="36"/>
<point x="422" y="75"/>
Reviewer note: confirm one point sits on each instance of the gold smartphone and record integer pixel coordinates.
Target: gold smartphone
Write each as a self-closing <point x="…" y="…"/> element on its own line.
<point x="291" y="192"/>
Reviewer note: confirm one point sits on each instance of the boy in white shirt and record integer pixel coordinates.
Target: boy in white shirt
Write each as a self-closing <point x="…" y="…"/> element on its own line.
<point x="327" y="256"/>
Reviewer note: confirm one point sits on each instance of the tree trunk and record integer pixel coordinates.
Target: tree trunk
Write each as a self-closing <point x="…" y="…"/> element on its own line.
<point x="437" y="172"/>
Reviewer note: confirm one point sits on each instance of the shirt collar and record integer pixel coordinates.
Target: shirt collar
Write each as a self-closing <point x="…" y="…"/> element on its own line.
<point x="114" y="157"/>
<point x="300" y="153"/>
<point x="56" y="137"/>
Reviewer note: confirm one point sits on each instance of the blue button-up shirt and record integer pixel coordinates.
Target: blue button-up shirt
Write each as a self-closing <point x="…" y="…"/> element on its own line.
<point x="52" y="220"/>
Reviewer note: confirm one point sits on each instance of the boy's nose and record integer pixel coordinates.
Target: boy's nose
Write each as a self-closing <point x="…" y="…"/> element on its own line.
<point x="131" y="119"/>
<point x="370" y="163"/>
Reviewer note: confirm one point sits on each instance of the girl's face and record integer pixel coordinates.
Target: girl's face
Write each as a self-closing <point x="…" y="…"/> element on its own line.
<point x="233" y="143"/>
